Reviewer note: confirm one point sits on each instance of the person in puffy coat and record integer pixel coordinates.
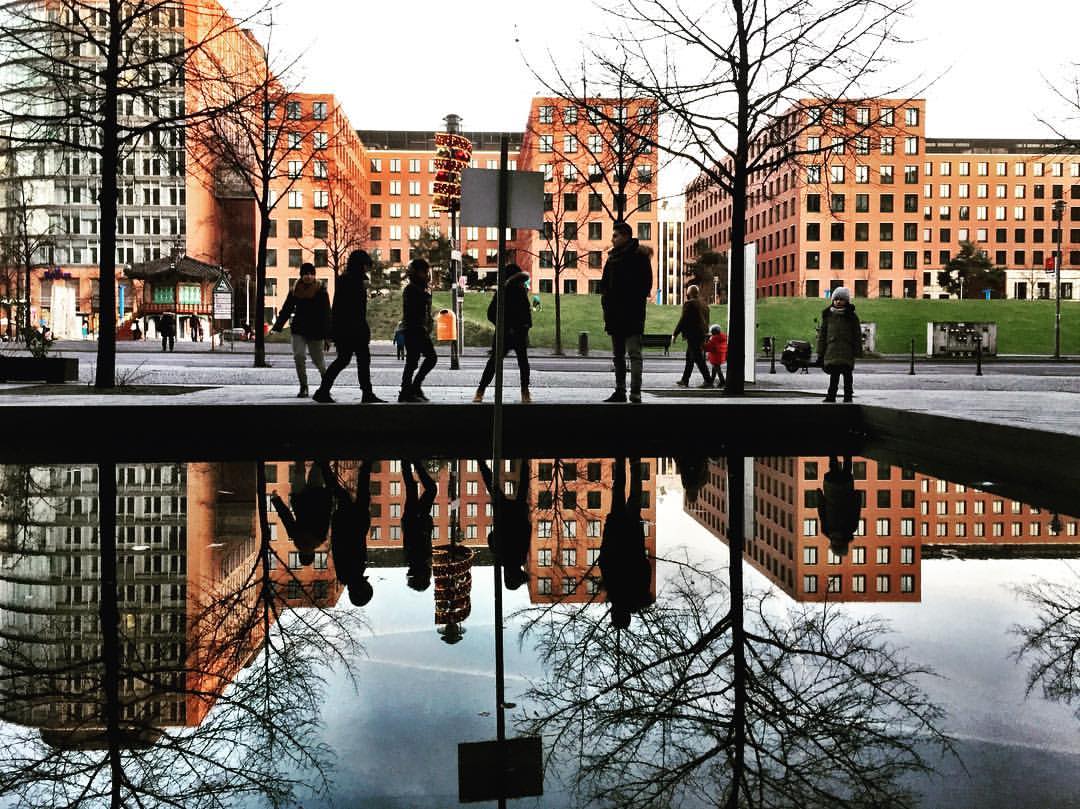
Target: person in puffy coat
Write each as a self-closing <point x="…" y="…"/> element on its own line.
<point x="625" y="287"/>
<point x="839" y="342"/>
<point x="716" y="353"/>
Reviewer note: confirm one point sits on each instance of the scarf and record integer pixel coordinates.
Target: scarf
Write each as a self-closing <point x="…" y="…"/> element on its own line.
<point x="305" y="290"/>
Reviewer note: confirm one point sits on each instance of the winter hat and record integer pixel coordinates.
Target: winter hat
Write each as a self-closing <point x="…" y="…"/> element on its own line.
<point x="511" y="272"/>
<point x="307" y="268"/>
<point x="842" y="292"/>
<point x="715" y="328"/>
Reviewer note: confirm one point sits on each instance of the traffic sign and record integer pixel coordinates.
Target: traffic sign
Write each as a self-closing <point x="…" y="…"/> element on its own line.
<point x="223" y="299"/>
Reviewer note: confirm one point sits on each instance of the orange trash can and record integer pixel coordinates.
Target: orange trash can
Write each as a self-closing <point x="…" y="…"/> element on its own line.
<point x="445" y="326"/>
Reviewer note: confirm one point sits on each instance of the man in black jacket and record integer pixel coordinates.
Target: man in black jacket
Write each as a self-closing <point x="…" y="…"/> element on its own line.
<point x="624" y="563"/>
<point x="348" y="532"/>
<point x="416" y="316"/>
<point x="350" y="328"/>
<point x="624" y="288"/>
<point x="517" y="320"/>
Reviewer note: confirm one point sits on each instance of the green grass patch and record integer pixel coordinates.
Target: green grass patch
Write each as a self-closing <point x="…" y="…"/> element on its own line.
<point x="1024" y="327"/>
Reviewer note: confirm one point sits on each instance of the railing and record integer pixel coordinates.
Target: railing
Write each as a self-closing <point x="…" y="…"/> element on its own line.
<point x="175" y="308"/>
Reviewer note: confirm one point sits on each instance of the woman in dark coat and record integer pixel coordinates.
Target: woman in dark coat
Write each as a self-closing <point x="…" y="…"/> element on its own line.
<point x="309" y="306"/>
<point x="693" y="325"/>
<point x="839" y="342"/>
<point x="352" y="335"/>
<point x="517" y="320"/>
<point x="511" y="531"/>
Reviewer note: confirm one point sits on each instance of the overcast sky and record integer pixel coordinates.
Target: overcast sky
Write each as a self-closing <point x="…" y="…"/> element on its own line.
<point x="404" y="64"/>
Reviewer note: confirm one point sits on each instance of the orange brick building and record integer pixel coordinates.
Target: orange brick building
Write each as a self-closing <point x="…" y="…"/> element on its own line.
<point x="869" y="202"/>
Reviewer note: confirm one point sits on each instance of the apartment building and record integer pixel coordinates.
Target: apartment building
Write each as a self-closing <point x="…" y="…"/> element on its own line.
<point x="599" y="165"/>
<point x="672" y="252"/>
<point x="903" y="514"/>
<point x="400" y="191"/>
<point x="868" y="201"/>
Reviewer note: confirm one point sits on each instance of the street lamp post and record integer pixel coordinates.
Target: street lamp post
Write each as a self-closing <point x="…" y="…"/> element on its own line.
<point x="1059" y="215"/>
<point x="453" y="127"/>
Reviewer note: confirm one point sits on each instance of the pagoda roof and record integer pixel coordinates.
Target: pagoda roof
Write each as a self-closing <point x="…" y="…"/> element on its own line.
<point x="184" y="268"/>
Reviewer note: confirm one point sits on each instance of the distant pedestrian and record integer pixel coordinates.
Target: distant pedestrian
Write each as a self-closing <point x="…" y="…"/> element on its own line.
<point x="416" y="314"/>
<point x="307" y="519"/>
<point x="625" y="568"/>
<point x="716" y="353"/>
<point x="839" y="342"/>
<point x="352" y="335"/>
<point x="399" y="339"/>
<point x="517" y="320"/>
<point x="536" y="305"/>
<point x="136" y="332"/>
<point x="624" y="288"/>
<point x="309" y="306"/>
<point x="168" y="332"/>
<point x="693" y="326"/>
<point x="348" y="532"/>
<point x="417" y="525"/>
<point x="193" y="327"/>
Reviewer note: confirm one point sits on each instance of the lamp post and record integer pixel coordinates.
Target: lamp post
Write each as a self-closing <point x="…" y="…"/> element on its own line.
<point x="1059" y="214"/>
<point x="453" y="127"/>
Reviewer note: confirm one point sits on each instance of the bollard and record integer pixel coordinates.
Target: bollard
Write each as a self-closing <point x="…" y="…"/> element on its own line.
<point x="583" y="343"/>
<point x="772" y="355"/>
<point x="911" y="371"/>
<point x="978" y="355"/>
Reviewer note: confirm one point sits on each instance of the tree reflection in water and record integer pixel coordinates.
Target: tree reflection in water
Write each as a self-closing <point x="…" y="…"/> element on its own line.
<point x="715" y="700"/>
<point x="1051" y="643"/>
<point x="124" y="721"/>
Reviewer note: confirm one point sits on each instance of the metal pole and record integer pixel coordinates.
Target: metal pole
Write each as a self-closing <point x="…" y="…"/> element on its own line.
<point x="772" y="355"/>
<point x="911" y="371"/>
<point x="978" y="355"/>
<point x="1059" y="211"/>
<point x="496" y="438"/>
<point x="455" y="307"/>
<point x="247" y="299"/>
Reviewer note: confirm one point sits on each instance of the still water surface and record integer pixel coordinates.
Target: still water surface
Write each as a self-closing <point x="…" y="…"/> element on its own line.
<point x="302" y="633"/>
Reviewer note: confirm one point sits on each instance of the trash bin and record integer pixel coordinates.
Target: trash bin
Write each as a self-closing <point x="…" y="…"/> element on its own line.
<point x="583" y="343"/>
<point x="445" y="326"/>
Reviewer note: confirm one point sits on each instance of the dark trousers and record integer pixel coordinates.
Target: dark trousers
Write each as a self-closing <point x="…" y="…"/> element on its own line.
<point x="835" y="372"/>
<point x="416" y="345"/>
<point x="621" y="345"/>
<point x="518" y="342"/>
<point x="345" y="350"/>
<point x="695" y="356"/>
<point x="717" y="375"/>
<point x="168" y="342"/>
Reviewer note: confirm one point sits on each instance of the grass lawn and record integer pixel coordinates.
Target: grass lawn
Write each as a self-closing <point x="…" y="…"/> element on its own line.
<point x="1024" y="327"/>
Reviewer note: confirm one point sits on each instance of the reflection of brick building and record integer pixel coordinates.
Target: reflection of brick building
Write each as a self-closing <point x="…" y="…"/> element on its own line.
<point x="904" y="514"/>
<point x="571" y="498"/>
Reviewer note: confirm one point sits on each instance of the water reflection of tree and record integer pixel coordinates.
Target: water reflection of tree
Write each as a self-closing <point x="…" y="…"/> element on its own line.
<point x="718" y="700"/>
<point x="1051" y="642"/>
<point x="237" y="714"/>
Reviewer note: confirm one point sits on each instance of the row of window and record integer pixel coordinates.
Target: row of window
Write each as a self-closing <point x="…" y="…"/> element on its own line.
<point x="596" y="202"/>
<point x="594" y="172"/>
<point x="569" y="585"/>
<point x="835" y="583"/>
<point x="594" y="114"/>
<point x="1001" y="168"/>
<point x="837" y="115"/>
<point x="861" y="145"/>
<point x="594" y="145"/>
<point x="394" y="165"/>
<point x="294" y="110"/>
<point x="883" y="555"/>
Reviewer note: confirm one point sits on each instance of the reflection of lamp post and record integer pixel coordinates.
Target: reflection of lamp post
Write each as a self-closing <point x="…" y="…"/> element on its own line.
<point x="1059" y="215"/>
<point x="453" y="127"/>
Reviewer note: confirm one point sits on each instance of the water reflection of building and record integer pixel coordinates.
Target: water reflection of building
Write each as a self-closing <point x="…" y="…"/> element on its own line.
<point x="571" y="497"/>
<point x="904" y="515"/>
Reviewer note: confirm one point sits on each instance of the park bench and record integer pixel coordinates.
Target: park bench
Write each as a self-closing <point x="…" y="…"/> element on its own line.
<point x="656" y="341"/>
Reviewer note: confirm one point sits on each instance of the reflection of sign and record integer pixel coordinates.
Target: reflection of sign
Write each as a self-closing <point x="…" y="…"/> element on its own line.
<point x="223" y="299"/>
<point x="452" y="154"/>
<point x="488" y="771"/>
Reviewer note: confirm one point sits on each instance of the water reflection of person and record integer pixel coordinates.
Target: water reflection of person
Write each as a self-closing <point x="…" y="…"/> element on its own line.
<point x="417" y="525"/>
<point x="308" y="520"/>
<point x="692" y="473"/>
<point x="624" y="562"/>
<point x="839" y="506"/>
<point x="512" y="529"/>
<point x="348" y="532"/>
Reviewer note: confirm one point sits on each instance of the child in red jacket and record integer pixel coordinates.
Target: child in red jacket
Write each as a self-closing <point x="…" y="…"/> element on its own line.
<point x="716" y="353"/>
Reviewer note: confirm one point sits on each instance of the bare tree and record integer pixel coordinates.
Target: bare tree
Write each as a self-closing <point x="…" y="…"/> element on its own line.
<point x="100" y="79"/>
<point x="348" y="227"/>
<point x="731" y="80"/>
<point x="26" y="236"/>
<point x="1051" y="643"/>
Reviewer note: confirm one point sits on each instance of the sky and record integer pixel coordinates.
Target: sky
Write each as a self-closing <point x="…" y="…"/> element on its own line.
<point x="405" y="64"/>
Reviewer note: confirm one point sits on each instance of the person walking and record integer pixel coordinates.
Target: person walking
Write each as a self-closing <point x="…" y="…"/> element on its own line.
<point x="308" y="519"/>
<point x="693" y="326"/>
<point x="416" y="314"/>
<point x="716" y="353"/>
<point x="517" y="320"/>
<point x="309" y="306"/>
<point x="511" y="530"/>
<point x="352" y="335"/>
<point x="417" y="524"/>
<point x="399" y="339"/>
<point x="624" y="288"/>
<point x="168" y="332"/>
<point x="839" y="342"/>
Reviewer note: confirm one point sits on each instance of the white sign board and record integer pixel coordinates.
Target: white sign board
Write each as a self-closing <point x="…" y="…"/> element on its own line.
<point x="749" y="307"/>
<point x="222" y="300"/>
<point x="480" y="199"/>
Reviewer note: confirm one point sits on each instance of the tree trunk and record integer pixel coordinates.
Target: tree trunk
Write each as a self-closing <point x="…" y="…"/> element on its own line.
<point x="260" y="294"/>
<point x="735" y="385"/>
<point x="110" y="160"/>
<point x="736" y="483"/>
<point x="109" y="614"/>
<point x="558" y="316"/>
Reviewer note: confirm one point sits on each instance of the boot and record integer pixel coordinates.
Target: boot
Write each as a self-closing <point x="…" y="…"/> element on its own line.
<point x="369" y="397"/>
<point x="323" y="396"/>
<point x="526" y="398"/>
<point x="303" y="394"/>
<point x="418" y="394"/>
<point x="478" y="396"/>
